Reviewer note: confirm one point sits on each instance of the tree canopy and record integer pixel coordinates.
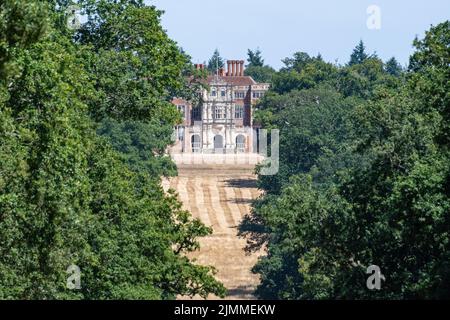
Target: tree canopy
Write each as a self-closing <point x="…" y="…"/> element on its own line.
<point x="69" y="196"/>
<point x="359" y="54"/>
<point x="255" y="58"/>
<point x="215" y="62"/>
<point x="256" y="67"/>
<point x="363" y="180"/>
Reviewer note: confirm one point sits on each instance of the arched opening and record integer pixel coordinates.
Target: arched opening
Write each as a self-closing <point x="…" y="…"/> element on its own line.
<point x="195" y="142"/>
<point x="218" y="143"/>
<point x="240" y="143"/>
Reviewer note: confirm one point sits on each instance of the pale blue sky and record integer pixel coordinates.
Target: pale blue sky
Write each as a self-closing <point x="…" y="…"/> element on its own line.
<point x="281" y="27"/>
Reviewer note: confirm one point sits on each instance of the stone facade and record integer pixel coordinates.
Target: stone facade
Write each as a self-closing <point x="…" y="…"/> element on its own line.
<point x="223" y="122"/>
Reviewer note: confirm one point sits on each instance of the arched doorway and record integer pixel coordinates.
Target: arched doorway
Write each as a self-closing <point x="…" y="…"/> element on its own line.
<point x="240" y="143"/>
<point x="195" y="142"/>
<point x="218" y="143"/>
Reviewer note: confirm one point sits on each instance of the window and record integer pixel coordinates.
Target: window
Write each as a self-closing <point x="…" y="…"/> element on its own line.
<point x="219" y="112"/>
<point x="197" y="113"/>
<point x="239" y="94"/>
<point x="213" y="93"/>
<point x="257" y="95"/>
<point x="240" y="143"/>
<point x="180" y="133"/>
<point x="223" y="93"/>
<point x="182" y="110"/>
<point x="238" y="112"/>
<point x="196" y="144"/>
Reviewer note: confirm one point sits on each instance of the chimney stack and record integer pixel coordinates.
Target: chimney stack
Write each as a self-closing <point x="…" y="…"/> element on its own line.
<point x="199" y="66"/>
<point x="235" y="68"/>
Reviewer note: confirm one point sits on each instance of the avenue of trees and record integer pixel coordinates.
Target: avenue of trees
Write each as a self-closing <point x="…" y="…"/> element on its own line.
<point x="85" y="116"/>
<point x="364" y="177"/>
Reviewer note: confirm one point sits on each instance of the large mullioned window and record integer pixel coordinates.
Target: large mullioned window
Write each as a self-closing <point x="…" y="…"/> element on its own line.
<point x="197" y="113"/>
<point x="238" y="112"/>
<point x="219" y="112"/>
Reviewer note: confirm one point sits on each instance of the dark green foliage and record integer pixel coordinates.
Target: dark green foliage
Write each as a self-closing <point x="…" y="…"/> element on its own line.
<point x="393" y="67"/>
<point x="359" y="54"/>
<point x="21" y="24"/>
<point x="66" y="197"/>
<point x="254" y="58"/>
<point x="260" y="74"/>
<point x="141" y="144"/>
<point x="215" y="62"/>
<point x="361" y="79"/>
<point x="256" y="68"/>
<point x="314" y="126"/>
<point x="303" y="72"/>
<point x="361" y="182"/>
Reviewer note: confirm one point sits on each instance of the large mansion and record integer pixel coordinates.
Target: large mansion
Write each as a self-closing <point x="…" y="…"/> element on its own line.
<point x="223" y="122"/>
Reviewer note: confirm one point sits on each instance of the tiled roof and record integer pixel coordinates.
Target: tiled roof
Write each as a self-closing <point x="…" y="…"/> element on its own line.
<point x="235" y="81"/>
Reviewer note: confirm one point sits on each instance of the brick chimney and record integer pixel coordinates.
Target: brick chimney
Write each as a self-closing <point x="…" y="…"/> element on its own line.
<point x="199" y="66"/>
<point x="221" y="72"/>
<point x="235" y="68"/>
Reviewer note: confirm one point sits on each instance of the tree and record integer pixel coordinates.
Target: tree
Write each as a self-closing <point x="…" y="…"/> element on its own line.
<point x="315" y="127"/>
<point x="141" y="144"/>
<point x="260" y="74"/>
<point x="138" y="69"/>
<point x="254" y="58"/>
<point x="393" y="67"/>
<point x="302" y="72"/>
<point x="215" y="62"/>
<point x="66" y="197"/>
<point x="372" y="189"/>
<point x="22" y="25"/>
<point x="359" y="54"/>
